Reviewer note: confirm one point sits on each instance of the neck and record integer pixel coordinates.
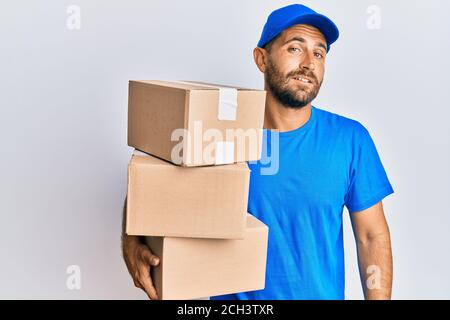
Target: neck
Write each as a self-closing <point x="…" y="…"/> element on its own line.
<point x="279" y="117"/>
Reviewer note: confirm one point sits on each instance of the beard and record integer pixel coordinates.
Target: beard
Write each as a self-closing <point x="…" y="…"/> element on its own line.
<point x="291" y="98"/>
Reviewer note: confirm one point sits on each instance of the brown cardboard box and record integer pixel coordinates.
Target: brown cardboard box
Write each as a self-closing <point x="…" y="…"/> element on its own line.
<point x="194" y="124"/>
<point x="168" y="200"/>
<point x="195" y="268"/>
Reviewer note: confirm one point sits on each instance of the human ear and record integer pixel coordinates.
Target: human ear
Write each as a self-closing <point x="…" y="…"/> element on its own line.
<point x="260" y="56"/>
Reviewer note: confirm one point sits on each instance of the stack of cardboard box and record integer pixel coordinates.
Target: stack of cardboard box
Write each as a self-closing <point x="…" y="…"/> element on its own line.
<point x="188" y="185"/>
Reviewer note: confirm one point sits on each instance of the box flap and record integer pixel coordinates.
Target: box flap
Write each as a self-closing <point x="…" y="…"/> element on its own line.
<point x="199" y="83"/>
<point x="254" y="223"/>
<point x="142" y="158"/>
<point x="191" y="85"/>
<point x="173" y="84"/>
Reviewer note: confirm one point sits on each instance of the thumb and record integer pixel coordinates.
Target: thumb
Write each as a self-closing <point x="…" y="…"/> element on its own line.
<point x="151" y="258"/>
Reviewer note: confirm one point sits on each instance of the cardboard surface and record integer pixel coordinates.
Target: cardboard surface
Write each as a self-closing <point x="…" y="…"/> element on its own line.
<point x="168" y="200"/>
<point x="195" y="268"/>
<point x="179" y="122"/>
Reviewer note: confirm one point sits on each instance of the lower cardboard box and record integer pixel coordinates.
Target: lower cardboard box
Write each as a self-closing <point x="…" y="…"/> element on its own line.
<point x="192" y="268"/>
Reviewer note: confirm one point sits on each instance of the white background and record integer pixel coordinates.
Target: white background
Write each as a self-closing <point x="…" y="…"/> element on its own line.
<point x="64" y="117"/>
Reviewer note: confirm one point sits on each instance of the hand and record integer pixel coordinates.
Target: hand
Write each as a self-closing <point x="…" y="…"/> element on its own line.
<point x="139" y="260"/>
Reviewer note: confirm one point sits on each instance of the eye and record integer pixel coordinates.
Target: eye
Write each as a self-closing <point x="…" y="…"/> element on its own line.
<point x="318" y="55"/>
<point x="294" y="50"/>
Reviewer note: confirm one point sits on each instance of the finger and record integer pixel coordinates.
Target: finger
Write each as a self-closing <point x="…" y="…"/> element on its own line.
<point x="147" y="284"/>
<point x="150" y="258"/>
<point x="137" y="284"/>
<point x="136" y="276"/>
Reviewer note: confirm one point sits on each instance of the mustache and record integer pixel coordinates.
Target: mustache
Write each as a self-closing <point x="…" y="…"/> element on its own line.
<point x="308" y="74"/>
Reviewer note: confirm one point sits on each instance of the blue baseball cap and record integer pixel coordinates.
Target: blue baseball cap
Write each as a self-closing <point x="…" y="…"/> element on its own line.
<point x="286" y="17"/>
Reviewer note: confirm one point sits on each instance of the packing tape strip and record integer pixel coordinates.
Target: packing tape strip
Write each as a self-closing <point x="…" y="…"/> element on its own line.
<point x="227" y="109"/>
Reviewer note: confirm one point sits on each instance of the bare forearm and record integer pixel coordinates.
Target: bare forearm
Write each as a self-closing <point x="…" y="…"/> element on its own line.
<point x="375" y="267"/>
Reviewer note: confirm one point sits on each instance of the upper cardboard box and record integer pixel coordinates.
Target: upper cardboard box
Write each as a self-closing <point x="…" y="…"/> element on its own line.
<point x="195" y="124"/>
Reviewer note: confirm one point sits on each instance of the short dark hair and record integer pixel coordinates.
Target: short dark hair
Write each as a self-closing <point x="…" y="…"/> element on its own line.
<point x="268" y="45"/>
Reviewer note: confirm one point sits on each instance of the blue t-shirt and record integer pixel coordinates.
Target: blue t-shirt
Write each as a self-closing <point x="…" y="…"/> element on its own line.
<point x="328" y="163"/>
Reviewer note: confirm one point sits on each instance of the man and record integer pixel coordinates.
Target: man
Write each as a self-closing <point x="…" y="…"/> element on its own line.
<point x="326" y="162"/>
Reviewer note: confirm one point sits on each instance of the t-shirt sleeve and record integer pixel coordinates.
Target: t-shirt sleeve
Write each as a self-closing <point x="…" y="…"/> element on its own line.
<point x="368" y="183"/>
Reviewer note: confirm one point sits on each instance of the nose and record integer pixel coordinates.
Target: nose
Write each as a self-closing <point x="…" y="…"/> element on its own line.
<point x="307" y="63"/>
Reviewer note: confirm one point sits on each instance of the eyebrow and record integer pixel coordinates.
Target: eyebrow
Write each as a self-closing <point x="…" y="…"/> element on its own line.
<point x="302" y="40"/>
